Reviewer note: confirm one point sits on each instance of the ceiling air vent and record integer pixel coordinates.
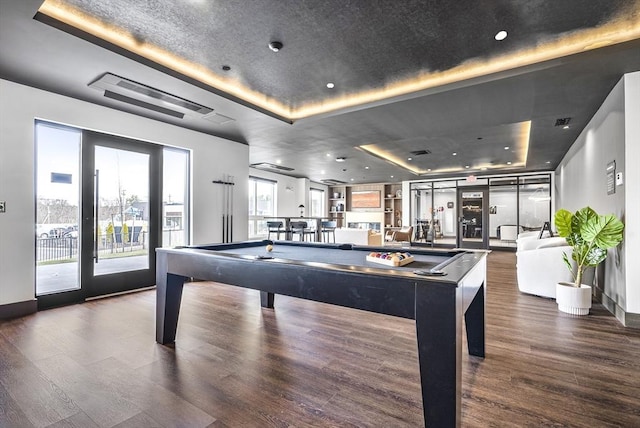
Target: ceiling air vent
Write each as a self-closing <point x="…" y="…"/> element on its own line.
<point x="125" y="90"/>
<point x="332" y="182"/>
<point x="420" y="152"/>
<point x="218" y="118"/>
<point x="270" y="166"/>
<point x="564" y="121"/>
<point x="135" y="102"/>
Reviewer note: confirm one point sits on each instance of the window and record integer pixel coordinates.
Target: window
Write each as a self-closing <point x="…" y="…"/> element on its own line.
<point x="262" y="202"/>
<point x="503" y="212"/>
<point x="58" y="185"/>
<point x="175" y="197"/>
<point x="535" y="201"/>
<point x="317" y="202"/>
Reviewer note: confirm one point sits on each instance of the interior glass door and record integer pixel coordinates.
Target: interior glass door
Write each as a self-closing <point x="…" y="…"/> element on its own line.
<point x="121" y="212"/>
<point x="473" y="206"/>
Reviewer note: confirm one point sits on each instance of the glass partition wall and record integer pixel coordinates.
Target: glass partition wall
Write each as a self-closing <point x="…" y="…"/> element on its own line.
<point x="515" y="204"/>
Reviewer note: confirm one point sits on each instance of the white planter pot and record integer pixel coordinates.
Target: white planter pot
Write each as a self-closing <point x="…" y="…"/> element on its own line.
<point x="573" y="300"/>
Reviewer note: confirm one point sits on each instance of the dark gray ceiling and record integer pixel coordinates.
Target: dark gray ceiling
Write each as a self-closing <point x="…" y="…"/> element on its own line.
<point x="360" y="46"/>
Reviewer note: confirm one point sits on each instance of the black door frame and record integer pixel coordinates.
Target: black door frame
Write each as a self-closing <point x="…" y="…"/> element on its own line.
<point x="122" y="281"/>
<point x="460" y="242"/>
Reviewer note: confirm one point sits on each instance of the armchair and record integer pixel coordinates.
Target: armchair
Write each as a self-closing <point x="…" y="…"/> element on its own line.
<point x="540" y="266"/>
<point x="402" y="235"/>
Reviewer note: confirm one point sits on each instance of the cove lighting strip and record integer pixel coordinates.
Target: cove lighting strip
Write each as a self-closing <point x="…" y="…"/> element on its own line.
<point x="623" y="30"/>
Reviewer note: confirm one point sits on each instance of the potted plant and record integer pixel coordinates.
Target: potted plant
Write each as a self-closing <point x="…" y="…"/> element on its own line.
<point x="590" y="235"/>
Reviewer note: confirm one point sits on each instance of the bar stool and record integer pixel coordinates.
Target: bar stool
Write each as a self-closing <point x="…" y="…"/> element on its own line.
<point x="300" y="228"/>
<point x="328" y="227"/>
<point x="275" y="227"/>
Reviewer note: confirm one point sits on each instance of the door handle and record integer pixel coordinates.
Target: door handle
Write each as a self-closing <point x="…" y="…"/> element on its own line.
<point x="95" y="216"/>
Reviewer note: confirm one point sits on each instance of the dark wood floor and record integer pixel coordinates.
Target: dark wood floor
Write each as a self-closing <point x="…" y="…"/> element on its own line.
<point x="308" y="365"/>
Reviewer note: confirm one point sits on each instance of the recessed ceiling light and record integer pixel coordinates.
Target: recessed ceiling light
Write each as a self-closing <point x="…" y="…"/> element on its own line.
<point x="328" y="154"/>
<point x="352" y="179"/>
<point x="391" y="176"/>
<point x="565" y="127"/>
<point x="331" y="85"/>
<point x="548" y="162"/>
<point x="341" y="159"/>
<point x="409" y="159"/>
<point x="509" y="163"/>
<point x="278" y="161"/>
<point x="429" y="169"/>
<point x="500" y="35"/>
<point x="366" y="167"/>
<point x="466" y="166"/>
<point x="275" y="46"/>
<point x="322" y="172"/>
<point x="454" y="154"/>
<point x="506" y="147"/>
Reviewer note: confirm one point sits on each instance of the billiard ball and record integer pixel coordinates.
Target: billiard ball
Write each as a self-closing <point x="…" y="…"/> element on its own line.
<point x="269" y="248"/>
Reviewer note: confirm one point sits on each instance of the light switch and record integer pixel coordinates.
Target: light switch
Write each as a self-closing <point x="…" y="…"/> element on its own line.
<point x="3" y="206"/>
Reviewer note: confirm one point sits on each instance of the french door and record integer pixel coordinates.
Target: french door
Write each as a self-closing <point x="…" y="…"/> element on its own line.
<point x="111" y="246"/>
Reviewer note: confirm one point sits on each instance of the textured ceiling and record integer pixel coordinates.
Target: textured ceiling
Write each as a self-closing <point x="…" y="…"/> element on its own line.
<point x="369" y="50"/>
<point x="410" y="75"/>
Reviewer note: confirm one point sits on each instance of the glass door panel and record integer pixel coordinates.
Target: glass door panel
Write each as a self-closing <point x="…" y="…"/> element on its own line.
<point x="473" y="217"/>
<point x="422" y="215"/>
<point x="445" y="214"/>
<point x="121" y="210"/>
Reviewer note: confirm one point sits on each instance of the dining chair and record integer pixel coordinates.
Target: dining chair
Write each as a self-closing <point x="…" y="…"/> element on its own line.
<point x="328" y="227"/>
<point x="275" y="227"/>
<point x="300" y="228"/>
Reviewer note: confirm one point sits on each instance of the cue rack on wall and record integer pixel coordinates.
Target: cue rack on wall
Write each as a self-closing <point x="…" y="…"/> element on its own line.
<point x="227" y="207"/>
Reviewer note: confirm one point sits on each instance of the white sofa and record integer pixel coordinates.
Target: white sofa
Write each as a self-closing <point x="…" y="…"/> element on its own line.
<point x="540" y="265"/>
<point x="528" y="240"/>
<point x="345" y="235"/>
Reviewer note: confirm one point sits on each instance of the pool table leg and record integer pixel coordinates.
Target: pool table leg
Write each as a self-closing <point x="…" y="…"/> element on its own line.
<point x="266" y="299"/>
<point x="475" y="324"/>
<point x="168" y="295"/>
<point x="438" y="315"/>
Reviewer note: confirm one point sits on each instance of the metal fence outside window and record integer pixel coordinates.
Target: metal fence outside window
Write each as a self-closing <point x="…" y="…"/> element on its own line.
<point x="66" y="248"/>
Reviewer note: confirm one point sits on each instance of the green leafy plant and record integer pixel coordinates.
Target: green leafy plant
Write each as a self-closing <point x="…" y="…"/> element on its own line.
<point x="590" y="235"/>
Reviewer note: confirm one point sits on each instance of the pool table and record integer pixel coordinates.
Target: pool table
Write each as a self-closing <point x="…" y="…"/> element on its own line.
<point x="436" y="290"/>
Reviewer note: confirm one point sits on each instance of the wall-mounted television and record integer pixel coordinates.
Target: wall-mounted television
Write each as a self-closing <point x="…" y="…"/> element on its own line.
<point x="365" y="199"/>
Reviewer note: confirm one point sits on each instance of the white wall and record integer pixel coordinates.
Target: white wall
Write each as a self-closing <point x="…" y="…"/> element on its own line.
<point x="20" y="105"/>
<point x="632" y="190"/>
<point x="612" y="134"/>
